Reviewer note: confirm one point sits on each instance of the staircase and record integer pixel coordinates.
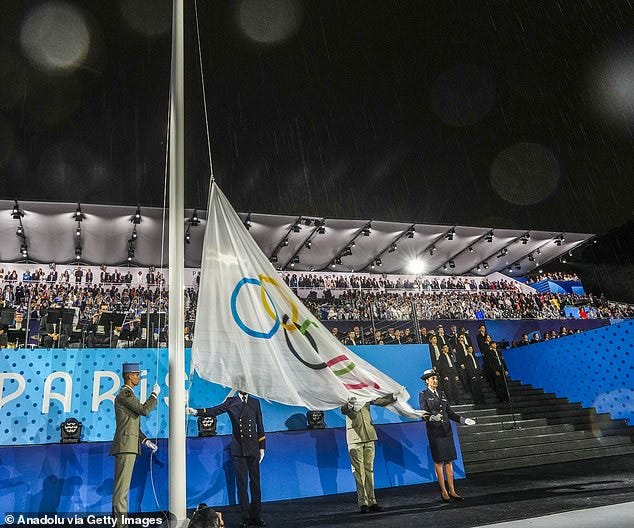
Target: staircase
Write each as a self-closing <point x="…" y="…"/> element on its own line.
<point x="543" y="429"/>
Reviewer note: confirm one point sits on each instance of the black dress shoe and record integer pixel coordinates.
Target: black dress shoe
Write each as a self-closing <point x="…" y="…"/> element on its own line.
<point x="364" y="509"/>
<point x="375" y="508"/>
<point x="456" y="498"/>
<point x="258" y="522"/>
<point x="448" y="499"/>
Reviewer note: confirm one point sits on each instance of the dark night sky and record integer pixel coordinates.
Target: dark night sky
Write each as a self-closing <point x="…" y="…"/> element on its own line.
<point x="501" y="113"/>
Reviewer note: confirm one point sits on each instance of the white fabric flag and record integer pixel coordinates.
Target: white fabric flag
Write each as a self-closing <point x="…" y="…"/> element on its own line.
<point x="254" y="334"/>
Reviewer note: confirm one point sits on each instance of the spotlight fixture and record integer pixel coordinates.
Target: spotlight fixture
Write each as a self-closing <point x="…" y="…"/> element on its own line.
<point x="332" y="265"/>
<point x="502" y="253"/>
<point x="315" y="420"/>
<point x="347" y="251"/>
<point x="531" y="258"/>
<point x="134" y="233"/>
<point x="188" y="237"/>
<point x="247" y="222"/>
<point x="79" y="216"/>
<point x="338" y="261"/>
<point x="470" y="249"/>
<point x="479" y="267"/>
<point x="489" y="237"/>
<point x="308" y="244"/>
<point x="17" y="213"/>
<point x="392" y="249"/>
<point x="525" y="238"/>
<point x="510" y="270"/>
<point x="20" y="231"/>
<point x="136" y="219"/>
<point x="431" y="251"/>
<point x="452" y="264"/>
<point x="307" y="221"/>
<point x="78" y="231"/>
<point x="297" y="228"/>
<point x="285" y="242"/>
<point x="538" y="251"/>
<point x="518" y="265"/>
<point x="296" y="259"/>
<point x="70" y="431"/>
<point x="78" y="253"/>
<point x="193" y="219"/>
<point x="379" y="262"/>
<point x="410" y="232"/>
<point x="485" y="265"/>
<point x="450" y="234"/>
<point x="444" y="266"/>
<point x="207" y="425"/>
<point x="366" y="231"/>
<point x="274" y="259"/>
<point x="559" y="240"/>
<point x="322" y="227"/>
<point x="24" y="250"/>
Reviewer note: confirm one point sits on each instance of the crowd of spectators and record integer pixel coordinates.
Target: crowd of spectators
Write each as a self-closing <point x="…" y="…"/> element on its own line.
<point x="553" y="276"/>
<point x="28" y="295"/>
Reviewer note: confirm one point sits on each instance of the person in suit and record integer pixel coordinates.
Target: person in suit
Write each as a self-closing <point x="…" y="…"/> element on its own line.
<point x="437" y="416"/>
<point x="473" y="376"/>
<point x="434" y="351"/>
<point x="248" y="444"/>
<point x="360" y="436"/>
<point x="448" y="374"/>
<point x="498" y="372"/>
<point x="128" y="438"/>
<point x="52" y="332"/>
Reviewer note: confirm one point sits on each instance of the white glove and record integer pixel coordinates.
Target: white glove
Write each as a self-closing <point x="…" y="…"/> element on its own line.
<point x="352" y="402"/>
<point x="399" y="394"/>
<point x="469" y="421"/>
<point x="151" y="445"/>
<point x="191" y="411"/>
<point x="435" y="418"/>
<point x="261" y="455"/>
<point x="156" y="390"/>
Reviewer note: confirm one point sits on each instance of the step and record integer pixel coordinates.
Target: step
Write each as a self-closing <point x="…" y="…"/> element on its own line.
<point x="587" y="420"/>
<point x="496" y="443"/>
<point x="495" y="418"/>
<point x="527" y="404"/>
<point x="547" y="448"/>
<point x="549" y="458"/>
<point x="471" y="434"/>
<point x="522" y="424"/>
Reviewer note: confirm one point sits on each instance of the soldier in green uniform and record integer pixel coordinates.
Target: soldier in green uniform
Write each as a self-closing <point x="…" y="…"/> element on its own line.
<point x="128" y="437"/>
<point x="361" y="435"/>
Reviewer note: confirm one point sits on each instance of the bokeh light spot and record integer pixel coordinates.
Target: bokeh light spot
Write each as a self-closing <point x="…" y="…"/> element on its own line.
<point x="525" y="174"/>
<point x="55" y="37"/>
<point x="270" y="21"/>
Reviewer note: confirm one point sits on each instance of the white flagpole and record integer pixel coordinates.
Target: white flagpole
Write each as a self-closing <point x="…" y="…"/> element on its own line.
<point x="177" y="475"/>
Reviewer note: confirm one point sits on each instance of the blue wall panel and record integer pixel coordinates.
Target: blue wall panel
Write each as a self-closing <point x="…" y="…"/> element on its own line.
<point x="595" y="368"/>
<point x="78" y="478"/>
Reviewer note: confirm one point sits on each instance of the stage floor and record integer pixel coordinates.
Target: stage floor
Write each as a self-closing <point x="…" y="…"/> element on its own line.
<point x="489" y="498"/>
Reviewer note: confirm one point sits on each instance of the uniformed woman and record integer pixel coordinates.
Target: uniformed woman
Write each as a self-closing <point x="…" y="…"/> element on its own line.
<point x="438" y="414"/>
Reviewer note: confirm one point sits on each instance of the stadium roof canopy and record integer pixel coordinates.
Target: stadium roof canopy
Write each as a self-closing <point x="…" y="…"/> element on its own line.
<point x="304" y="243"/>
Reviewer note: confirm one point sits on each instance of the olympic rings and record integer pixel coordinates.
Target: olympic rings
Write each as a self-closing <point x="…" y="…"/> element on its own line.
<point x="238" y="320"/>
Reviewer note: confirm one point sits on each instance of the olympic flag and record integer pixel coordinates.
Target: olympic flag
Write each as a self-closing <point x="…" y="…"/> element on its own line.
<point x="252" y="332"/>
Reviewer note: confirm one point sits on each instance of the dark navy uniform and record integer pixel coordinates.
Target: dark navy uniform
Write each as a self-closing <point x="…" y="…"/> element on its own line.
<point x="439" y="433"/>
<point x="247" y="440"/>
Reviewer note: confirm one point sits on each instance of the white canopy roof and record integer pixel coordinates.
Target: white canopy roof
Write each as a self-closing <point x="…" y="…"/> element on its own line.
<point x="293" y="242"/>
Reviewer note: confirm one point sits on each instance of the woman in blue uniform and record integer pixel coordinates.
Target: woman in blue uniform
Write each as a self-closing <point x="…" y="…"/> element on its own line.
<point x="438" y="414"/>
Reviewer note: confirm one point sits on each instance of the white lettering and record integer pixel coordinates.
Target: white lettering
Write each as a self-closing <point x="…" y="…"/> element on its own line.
<point x="110" y="394"/>
<point x="49" y="395"/>
<point x="12" y="396"/>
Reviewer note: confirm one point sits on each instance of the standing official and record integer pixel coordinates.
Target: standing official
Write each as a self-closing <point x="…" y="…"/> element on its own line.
<point x="361" y="435"/>
<point x="247" y="450"/>
<point x="128" y="437"/>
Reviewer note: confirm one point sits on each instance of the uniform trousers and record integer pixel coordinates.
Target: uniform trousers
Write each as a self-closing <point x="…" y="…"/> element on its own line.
<point x="248" y="467"/>
<point x="362" y="460"/>
<point x="123" y="467"/>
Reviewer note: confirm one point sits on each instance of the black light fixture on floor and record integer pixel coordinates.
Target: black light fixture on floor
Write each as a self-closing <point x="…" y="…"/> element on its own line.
<point x="70" y="431"/>
<point x="207" y="425"/>
<point x="315" y="420"/>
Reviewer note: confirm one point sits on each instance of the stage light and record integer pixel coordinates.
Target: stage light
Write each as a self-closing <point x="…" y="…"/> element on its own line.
<point x="308" y="244"/>
<point x="531" y="258"/>
<point x="518" y="265"/>
<point x="20" y="231"/>
<point x="188" y="237"/>
<point x="136" y="219"/>
<point x="452" y="264"/>
<point x="296" y="259"/>
<point x="315" y="420"/>
<point x="17" y="213"/>
<point x="450" y="234"/>
<point x="322" y="227"/>
<point x="194" y="220"/>
<point x="410" y="232"/>
<point x="338" y="261"/>
<point x="207" y="425"/>
<point x="78" y="231"/>
<point x="297" y="228"/>
<point x="470" y="249"/>
<point x="478" y="267"/>
<point x="485" y="265"/>
<point x="307" y="221"/>
<point x="444" y="266"/>
<point x="285" y="242"/>
<point x="392" y="249"/>
<point x="78" y="252"/>
<point x="247" y="222"/>
<point x="489" y="237"/>
<point x="510" y="270"/>
<point x="70" y="431"/>
<point x="379" y="262"/>
<point x="274" y="259"/>
<point x="79" y="216"/>
<point x="431" y="251"/>
<point x="332" y="265"/>
<point x="366" y="231"/>
<point x="416" y="266"/>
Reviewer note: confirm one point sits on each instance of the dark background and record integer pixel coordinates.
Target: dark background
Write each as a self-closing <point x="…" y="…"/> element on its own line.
<point x="496" y="113"/>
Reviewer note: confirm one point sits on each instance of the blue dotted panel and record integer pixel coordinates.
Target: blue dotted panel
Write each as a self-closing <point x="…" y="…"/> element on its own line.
<point x="595" y="368"/>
